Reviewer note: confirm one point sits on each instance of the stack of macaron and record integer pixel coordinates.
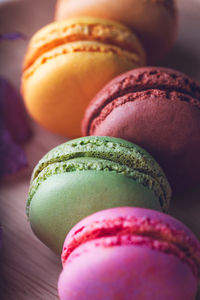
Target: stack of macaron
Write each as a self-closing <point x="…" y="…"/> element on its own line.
<point x="101" y="199"/>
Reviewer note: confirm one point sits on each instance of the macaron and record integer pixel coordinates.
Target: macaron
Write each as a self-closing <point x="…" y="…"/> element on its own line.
<point x="154" y="21"/>
<point x="68" y="62"/>
<point x="158" y="109"/>
<point x="85" y="175"/>
<point x="130" y="254"/>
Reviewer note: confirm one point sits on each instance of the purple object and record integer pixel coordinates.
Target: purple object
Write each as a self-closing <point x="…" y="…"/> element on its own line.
<point x="13" y="156"/>
<point x="14" y="115"/>
<point x="12" y="36"/>
<point x="14" y="129"/>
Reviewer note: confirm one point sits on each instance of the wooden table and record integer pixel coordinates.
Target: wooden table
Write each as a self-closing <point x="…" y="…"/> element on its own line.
<point x="30" y="270"/>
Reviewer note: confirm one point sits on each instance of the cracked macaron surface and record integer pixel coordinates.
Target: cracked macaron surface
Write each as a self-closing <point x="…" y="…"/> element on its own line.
<point x="67" y="62"/>
<point x="92" y="173"/>
<point x="158" y="109"/>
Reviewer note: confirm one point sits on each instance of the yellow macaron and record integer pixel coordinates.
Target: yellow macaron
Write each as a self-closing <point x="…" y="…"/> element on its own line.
<point x="68" y="62"/>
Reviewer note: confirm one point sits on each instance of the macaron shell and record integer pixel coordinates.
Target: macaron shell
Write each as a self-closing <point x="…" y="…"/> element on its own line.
<point x="177" y="122"/>
<point x="63" y="85"/>
<point x="63" y="200"/>
<point x="138" y="212"/>
<point x="80" y="29"/>
<point x="97" y="272"/>
<point x="155" y="22"/>
<point x="103" y="147"/>
<point x="140" y="79"/>
<point x="99" y="153"/>
<point x="159" y="111"/>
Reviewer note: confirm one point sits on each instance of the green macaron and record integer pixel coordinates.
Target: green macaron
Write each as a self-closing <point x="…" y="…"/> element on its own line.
<point x="89" y="174"/>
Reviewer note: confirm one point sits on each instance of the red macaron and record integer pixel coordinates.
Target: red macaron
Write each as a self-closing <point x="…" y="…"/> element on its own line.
<point x="158" y="109"/>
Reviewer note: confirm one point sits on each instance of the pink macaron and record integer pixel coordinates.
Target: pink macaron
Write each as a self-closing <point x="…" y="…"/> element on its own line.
<point x="129" y="253"/>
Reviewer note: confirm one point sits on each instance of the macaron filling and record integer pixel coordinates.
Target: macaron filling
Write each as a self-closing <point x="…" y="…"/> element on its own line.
<point x="158" y="79"/>
<point x="95" y="164"/>
<point x="60" y="33"/>
<point x="127" y="156"/>
<point x="126" y="231"/>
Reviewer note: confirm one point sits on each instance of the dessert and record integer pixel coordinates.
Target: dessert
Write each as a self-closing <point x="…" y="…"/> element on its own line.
<point x="68" y="62"/>
<point x="158" y="109"/>
<point x="89" y="174"/>
<point x="130" y="254"/>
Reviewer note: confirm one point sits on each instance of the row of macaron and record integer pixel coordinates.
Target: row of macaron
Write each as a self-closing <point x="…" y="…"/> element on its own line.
<point x="69" y="61"/>
<point x="122" y="252"/>
<point x="72" y="58"/>
<point x="98" y="202"/>
<point x="154" y="107"/>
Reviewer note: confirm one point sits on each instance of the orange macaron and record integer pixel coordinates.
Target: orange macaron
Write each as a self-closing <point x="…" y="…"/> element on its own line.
<point x="68" y="62"/>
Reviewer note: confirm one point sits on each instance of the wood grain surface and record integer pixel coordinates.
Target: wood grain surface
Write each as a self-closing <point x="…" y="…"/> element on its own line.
<point x="30" y="270"/>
